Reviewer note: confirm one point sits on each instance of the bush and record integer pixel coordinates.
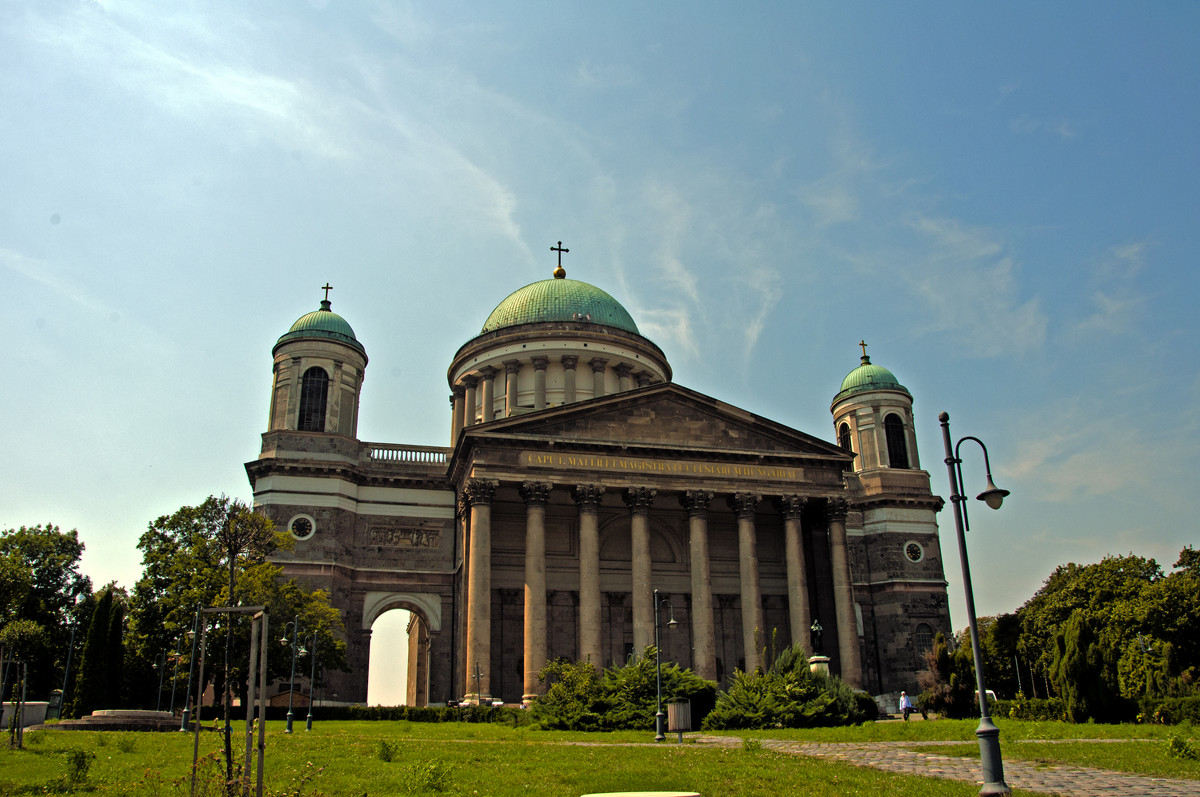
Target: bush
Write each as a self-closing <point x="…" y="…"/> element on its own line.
<point x="1171" y="710"/>
<point x="1025" y="709"/>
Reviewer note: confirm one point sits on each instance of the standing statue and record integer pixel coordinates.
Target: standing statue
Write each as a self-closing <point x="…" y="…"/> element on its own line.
<point x="815" y="631"/>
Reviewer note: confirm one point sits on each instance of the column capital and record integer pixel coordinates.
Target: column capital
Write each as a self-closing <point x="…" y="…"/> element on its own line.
<point x="541" y="363"/>
<point x="480" y="491"/>
<point x="512" y="366"/>
<point x="837" y="508"/>
<point x="535" y="493"/>
<point x="623" y="369"/>
<point x="587" y="496"/>
<point x="458" y="392"/>
<point x="569" y="361"/>
<point x="743" y="504"/>
<point x="643" y="378"/>
<point x="470" y="382"/>
<point x="487" y="372"/>
<point x="461" y="506"/>
<point x="639" y="499"/>
<point x="598" y="364"/>
<point x="696" y="502"/>
<point x="790" y="506"/>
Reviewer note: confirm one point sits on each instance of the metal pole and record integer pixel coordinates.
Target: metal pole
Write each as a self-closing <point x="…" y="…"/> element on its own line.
<point x="252" y="683"/>
<point x="292" y="684"/>
<point x="66" y="673"/>
<point x="187" y="695"/>
<point x="160" y="664"/>
<point x="312" y="684"/>
<point x="987" y="732"/>
<point x="658" y="716"/>
<point x="199" y="697"/>
<point x="262" y="700"/>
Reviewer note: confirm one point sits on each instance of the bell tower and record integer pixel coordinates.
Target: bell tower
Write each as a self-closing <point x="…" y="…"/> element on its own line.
<point x="318" y="375"/>
<point x="872" y="417"/>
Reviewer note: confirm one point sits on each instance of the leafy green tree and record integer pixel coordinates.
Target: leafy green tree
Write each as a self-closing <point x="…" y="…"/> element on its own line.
<point x="1083" y="673"/>
<point x="40" y="582"/>
<point x="948" y="681"/>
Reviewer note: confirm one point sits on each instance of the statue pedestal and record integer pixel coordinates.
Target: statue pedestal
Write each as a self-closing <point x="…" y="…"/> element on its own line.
<point x="818" y="664"/>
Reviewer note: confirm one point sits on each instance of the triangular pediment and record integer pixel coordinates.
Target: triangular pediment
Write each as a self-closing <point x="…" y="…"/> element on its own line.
<point x="665" y="416"/>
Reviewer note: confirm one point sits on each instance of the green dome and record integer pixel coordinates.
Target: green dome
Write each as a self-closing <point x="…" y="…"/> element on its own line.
<point x="322" y="323"/>
<point x="559" y="299"/>
<point x="867" y="377"/>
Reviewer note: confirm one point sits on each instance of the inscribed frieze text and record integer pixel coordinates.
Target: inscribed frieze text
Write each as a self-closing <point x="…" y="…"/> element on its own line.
<point x="662" y="466"/>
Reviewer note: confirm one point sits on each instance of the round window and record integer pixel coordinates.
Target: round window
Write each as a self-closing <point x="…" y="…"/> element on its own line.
<point x="914" y="551"/>
<point x="302" y="527"/>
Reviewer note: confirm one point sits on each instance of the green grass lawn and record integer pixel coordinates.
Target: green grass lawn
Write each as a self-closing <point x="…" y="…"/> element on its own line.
<point x="348" y="758"/>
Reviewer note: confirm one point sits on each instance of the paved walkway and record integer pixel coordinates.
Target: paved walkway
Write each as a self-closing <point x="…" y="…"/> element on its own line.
<point x="900" y="757"/>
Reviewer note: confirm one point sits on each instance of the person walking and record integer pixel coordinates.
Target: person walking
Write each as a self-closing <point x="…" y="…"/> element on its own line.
<point x="906" y="705"/>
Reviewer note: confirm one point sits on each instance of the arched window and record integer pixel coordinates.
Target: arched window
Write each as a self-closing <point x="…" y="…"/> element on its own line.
<point x="314" y="389"/>
<point x="923" y="639"/>
<point x="893" y="428"/>
<point x="844" y="437"/>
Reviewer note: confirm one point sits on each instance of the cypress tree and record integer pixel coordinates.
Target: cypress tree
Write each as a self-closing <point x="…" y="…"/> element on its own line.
<point x="91" y="683"/>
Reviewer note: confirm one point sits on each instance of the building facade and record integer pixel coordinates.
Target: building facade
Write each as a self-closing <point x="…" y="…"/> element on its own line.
<point x="579" y="480"/>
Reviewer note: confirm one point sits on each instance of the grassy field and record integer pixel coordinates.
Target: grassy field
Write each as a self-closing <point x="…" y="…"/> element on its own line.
<point x="383" y="758"/>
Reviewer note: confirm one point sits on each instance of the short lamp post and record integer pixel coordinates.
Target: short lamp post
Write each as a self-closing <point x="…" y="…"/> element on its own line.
<point x="187" y="696"/>
<point x="658" y="716"/>
<point x="312" y="682"/>
<point x="993" y="496"/>
<point x="295" y="625"/>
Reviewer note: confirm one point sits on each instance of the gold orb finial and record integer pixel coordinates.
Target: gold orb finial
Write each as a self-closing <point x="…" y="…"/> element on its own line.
<point x="560" y="272"/>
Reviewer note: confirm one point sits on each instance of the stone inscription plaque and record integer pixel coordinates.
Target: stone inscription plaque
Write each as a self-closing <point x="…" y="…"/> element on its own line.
<point x="405" y="537"/>
<point x="571" y="462"/>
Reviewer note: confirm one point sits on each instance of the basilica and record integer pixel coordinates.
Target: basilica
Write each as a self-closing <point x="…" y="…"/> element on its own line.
<point x="584" y="495"/>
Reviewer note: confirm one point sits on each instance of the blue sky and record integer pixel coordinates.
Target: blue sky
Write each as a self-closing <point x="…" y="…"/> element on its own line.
<point x="1000" y="199"/>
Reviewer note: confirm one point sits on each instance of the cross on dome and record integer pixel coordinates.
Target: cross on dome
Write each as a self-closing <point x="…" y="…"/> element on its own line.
<point x="560" y="272"/>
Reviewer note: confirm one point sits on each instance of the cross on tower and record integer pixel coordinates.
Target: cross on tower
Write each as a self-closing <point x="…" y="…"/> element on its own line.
<point x="560" y="251"/>
<point x="327" y="288"/>
<point x="863" y="343"/>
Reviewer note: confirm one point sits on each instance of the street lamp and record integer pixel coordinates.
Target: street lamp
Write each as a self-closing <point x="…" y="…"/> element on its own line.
<point x="187" y="696"/>
<point x="160" y="664"/>
<point x="295" y="624"/>
<point x="658" y="716"/>
<point x="312" y="682"/>
<point x="175" y="673"/>
<point x="993" y="496"/>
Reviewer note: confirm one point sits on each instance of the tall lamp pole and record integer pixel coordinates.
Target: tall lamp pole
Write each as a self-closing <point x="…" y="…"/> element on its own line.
<point x="187" y="696"/>
<point x="312" y="684"/>
<point x="993" y="496"/>
<point x="295" y="624"/>
<point x="175" y="673"/>
<point x="658" y="716"/>
<point x="160" y="664"/>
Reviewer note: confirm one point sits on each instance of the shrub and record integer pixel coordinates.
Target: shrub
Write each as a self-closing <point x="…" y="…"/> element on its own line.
<point x="1180" y="747"/>
<point x="1025" y="709"/>
<point x="387" y="751"/>
<point x="78" y="764"/>
<point x="1172" y="710"/>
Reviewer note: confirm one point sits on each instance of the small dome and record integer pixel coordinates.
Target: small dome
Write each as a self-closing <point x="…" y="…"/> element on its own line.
<point x="867" y="377"/>
<point x="322" y="323"/>
<point x="559" y="299"/>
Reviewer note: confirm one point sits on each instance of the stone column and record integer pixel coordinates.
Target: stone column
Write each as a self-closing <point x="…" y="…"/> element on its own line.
<point x="598" y="364"/>
<point x="704" y="660"/>
<point x="753" y="633"/>
<point x="293" y="405"/>
<point x="642" y="378"/>
<point x="843" y="594"/>
<point x="479" y="589"/>
<point x="456" y="413"/>
<point x="639" y="500"/>
<point x="587" y="496"/>
<point x="535" y="494"/>
<point x="791" y="507"/>
<point x="488" y="410"/>
<point x="469" y="400"/>
<point x="539" y="382"/>
<point x="512" y="371"/>
<point x="568" y="363"/>
<point x="624" y="380"/>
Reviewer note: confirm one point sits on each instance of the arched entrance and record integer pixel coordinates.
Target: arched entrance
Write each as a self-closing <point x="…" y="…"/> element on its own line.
<point x="400" y="625"/>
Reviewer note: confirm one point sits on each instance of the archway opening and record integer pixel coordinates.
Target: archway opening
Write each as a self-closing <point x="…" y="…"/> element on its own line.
<point x="387" y="673"/>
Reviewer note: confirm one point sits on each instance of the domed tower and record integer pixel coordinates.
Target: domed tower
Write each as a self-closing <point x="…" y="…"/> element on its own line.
<point x="553" y="342"/>
<point x="319" y="367"/>
<point x="872" y="417"/>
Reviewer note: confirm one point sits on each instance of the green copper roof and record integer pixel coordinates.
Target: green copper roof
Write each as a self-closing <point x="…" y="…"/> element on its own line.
<point x="559" y="299"/>
<point x="322" y="323"/>
<point x="868" y="377"/>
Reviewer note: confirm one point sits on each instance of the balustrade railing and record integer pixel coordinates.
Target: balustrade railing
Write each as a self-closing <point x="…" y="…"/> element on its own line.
<point x="434" y="456"/>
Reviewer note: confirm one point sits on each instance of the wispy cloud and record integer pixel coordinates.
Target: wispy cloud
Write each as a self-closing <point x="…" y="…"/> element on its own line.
<point x="1027" y="125"/>
<point x="44" y="274"/>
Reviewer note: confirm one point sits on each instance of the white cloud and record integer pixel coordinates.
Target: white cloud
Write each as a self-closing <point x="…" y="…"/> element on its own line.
<point x="1027" y="125"/>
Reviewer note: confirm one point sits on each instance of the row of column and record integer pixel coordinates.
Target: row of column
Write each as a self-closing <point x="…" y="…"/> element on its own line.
<point x="478" y="495"/>
<point x="474" y="399"/>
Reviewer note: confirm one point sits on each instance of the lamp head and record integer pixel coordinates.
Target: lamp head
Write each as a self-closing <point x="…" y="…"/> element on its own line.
<point x="672" y="622"/>
<point x="993" y="496"/>
<point x="284" y="641"/>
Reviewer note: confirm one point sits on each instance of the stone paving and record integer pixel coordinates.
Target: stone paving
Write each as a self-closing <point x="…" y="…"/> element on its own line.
<point x="899" y="757"/>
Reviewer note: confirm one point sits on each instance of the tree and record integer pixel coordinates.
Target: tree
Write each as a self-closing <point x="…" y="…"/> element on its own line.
<point x="40" y="582"/>
<point x="1082" y="672"/>
<point x="948" y="681"/>
<point x="98" y="684"/>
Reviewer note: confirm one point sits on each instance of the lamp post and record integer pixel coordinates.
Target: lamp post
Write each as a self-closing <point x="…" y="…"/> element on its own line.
<point x="160" y="664"/>
<point x="175" y="672"/>
<point x="66" y="673"/>
<point x="312" y="683"/>
<point x="993" y="496"/>
<point x="295" y="624"/>
<point x="187" y="696"/>
<point x="658" y="716"/>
